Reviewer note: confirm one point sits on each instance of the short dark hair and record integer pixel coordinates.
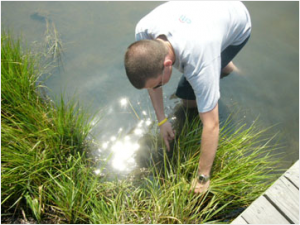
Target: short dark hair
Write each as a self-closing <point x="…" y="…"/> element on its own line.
<point x="144" y="60"/>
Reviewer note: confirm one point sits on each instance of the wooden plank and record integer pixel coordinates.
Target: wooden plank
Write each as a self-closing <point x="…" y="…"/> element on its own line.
<point x="293" y="174"/>
<point x="239" y="220"/>
<point x="278" y="205"/>
<point x="285" y="196"/>
<point x="261" y="211"/>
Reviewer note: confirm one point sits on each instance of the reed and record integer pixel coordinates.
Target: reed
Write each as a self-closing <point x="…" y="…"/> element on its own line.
<point x="242" y="171"/>
<point x="53" y="43"/>
<point x="38" y="136"/>
<point x="47" y="175"/>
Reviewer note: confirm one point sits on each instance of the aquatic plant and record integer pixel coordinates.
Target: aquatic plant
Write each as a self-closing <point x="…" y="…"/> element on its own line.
<point x="38" y="136"/>
<point x="46" y="174"/>
<point x="244" y="167"/>
<point x="53" y="43"/>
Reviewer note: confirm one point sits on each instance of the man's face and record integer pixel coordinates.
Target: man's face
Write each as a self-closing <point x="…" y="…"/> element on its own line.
<point x="158" y="82"/>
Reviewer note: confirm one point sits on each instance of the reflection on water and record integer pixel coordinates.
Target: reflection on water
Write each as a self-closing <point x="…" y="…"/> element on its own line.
<point x="120" y="150"/>
<point x="123" y="154"/>
<point x="128" y="150"/>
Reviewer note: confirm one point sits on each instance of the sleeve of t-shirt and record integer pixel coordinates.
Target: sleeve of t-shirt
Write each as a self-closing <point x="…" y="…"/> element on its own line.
<point x="145" y="30"/>
<point x="142" y="31"/>
<point x="205" y="84"/>
<point x="141" y="36"/>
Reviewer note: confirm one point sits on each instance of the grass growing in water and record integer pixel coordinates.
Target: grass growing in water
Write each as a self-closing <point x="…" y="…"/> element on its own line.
<point x="53" y="43"/>
<point x="38" y="137"/>
<point x="46" y="174"/>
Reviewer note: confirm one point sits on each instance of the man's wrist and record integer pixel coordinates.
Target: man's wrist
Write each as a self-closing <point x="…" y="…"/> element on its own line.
<point x="162" y="121"/>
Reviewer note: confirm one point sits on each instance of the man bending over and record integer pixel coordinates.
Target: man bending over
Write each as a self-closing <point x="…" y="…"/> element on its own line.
<point x="200" y="39"/>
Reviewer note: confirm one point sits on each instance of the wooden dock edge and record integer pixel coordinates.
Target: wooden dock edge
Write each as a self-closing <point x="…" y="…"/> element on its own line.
<point x="278" y="205"/>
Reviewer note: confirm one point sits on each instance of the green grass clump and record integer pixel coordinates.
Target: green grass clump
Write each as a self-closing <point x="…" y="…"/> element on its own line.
<point x="243" y="169"/>
<point x="47" y="175"/>
<point x="37" y="136"/>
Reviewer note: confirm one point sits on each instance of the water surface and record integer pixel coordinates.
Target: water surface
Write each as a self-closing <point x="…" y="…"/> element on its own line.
<point x="95" y="36"/>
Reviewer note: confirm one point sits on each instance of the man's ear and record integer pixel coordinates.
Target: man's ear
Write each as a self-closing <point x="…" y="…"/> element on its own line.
<point x="168" y="62"/>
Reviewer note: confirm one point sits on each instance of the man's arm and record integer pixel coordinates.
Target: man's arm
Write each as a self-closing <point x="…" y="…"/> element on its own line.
<point x="166" y="130"/>
<point x="209" y="144"/>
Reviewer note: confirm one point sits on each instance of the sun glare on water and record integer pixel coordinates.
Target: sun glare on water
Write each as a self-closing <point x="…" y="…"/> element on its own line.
<point x="122" y="147"/>
<point x="124" y="102"/>
<point x="124" y="151"/>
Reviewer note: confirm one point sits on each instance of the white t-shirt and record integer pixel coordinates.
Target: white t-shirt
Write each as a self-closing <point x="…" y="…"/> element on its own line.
<point x="198" y="32"/>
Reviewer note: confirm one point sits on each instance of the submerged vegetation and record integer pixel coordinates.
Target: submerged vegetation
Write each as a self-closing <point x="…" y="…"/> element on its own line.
<point x="46" y="174"/>
<point x="53" y="43"/>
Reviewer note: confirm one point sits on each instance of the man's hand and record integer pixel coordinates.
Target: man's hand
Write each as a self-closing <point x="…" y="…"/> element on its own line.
<point x="167" y="133"/>
<point x="199" y="188"/>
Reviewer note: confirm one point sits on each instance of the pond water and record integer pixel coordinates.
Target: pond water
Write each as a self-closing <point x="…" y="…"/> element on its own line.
<point x="95" y="36"/>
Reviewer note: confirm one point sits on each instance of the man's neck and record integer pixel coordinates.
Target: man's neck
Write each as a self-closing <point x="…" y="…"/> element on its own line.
<point x="171" y="54"/>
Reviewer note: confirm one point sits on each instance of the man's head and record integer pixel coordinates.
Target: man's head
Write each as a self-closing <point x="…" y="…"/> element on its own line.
<point x="144" y="60"/>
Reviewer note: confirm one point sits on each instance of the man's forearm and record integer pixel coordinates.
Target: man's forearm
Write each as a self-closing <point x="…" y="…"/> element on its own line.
<point x="156" y="97"/>
<point x="209" y="145"/>
<point x="166" y="130"/>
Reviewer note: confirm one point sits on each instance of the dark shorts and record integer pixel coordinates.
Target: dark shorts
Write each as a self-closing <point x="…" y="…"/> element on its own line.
<point x="185" y="90"/>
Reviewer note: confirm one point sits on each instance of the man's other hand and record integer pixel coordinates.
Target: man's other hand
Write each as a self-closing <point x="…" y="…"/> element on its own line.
<point x="199" y="188"/>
